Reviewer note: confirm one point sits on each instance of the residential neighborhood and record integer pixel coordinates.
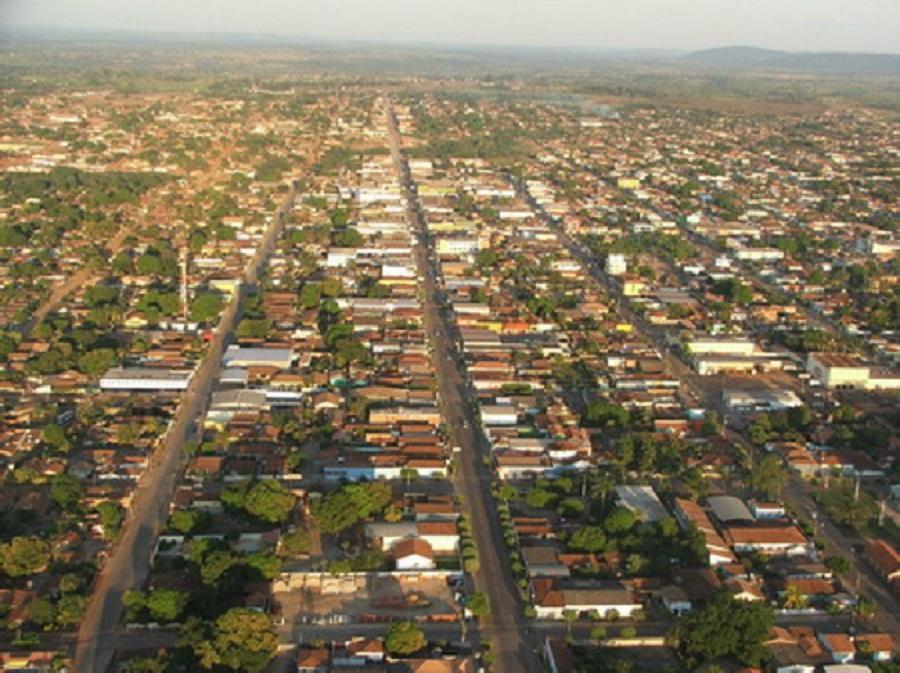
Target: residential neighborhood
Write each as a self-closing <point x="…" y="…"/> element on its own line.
<point x="449" y="373"/>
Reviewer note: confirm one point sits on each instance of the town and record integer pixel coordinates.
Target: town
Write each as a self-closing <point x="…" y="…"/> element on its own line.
<point x="445" y="374"/>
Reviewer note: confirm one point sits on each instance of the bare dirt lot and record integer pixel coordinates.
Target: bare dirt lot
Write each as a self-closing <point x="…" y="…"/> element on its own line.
<point x="321" y="597"/>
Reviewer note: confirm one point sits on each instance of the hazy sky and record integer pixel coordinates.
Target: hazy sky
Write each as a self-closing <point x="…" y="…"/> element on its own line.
<point x="845" y="25"/>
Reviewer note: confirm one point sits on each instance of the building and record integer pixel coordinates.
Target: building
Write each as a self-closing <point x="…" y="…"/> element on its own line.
<point x="236" y="356"/>
<point x="750" y="401"/>
<point x="145" y="378"/>
<point x="616" y="264"/>
<point x="642" y="501"/>
<point x="554" y="598"/>
<point x="706" y="345"/>
<point x="413" y="554"/>
<point x="768" y="539"/>
<point x="839" y="370"/>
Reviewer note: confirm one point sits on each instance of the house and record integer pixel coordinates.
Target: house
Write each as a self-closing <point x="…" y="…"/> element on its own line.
<point x="690" y="588"/>
<point x="442" y="536"/>
<point x="357" y="653"/>
<point x="879" y="647"/>
<point x="839" y="646"/>
<point x="558" y="655"/>
<point x="444" y="665"/>
<point x="884" y="558"/>
<point x="796" y="649"/>
<point x="768" y="539"/>
<point x="554" y="598"/>
<point x="28" y="662"/>
<point x="767" y="510"/>
<point x="413" y="554"/>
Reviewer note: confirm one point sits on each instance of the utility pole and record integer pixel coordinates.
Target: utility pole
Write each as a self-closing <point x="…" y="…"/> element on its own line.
<point x="184" y="284"/>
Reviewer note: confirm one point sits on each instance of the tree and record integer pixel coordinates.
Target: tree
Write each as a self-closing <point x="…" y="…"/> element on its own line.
<point x="66" y="491"/>
<point x="404" y="638"/>
<point x="295" y="543"/>
<point x="240" y="639"/>
<point x="41" y="611"/>
<point x="539" y="498"/>
<point x="110" y="518"/>
<point x="602" y="414"/>
<point x="343" y="508"/>
<point x="186" y="520"/>
<point x="207" y="306"/>
<point x="70" y="610"/>
<point x="97" y="361"/>
<point x="620" y="520"/>
<point x="310" y="296"/>
<point x="70" y="583"/>
<point x="838" y="565"/>
<point x="55" y="437"/>
<point x="267" y="499"/>
<point x="570" y="617"/>
<point x="768" y="477"/>
<point x="590" y="539"/>
<point x="479" y="604"/>
<point x="598" y="633"/>
<point x="166" y="605"/>
<point x="794" y="598"/>
<point x="842" y="504"/>
<point x="249" y="328"/>
<point x="157" y="664"/>
<point x="724" y="627"/>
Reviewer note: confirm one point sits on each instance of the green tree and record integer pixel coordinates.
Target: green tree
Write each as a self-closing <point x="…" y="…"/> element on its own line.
<point x="479" y="604"/>
<point x="67" y="491"/>
<point x="70" y="610"/>
<point x="41" y="611"/>
<point x="590" y="539"/>
<point x="239" y="640"/>
<point x="97" y="361"/>
<point x="842" y="504"/>
<point x="768" y="477"/>
<point x="110" y="518"/>
<point x="166" y="605"/>
<point x="207" y="306"/>
<point x="404" y="638"/>
<point x="724" y="627"/>
<point x="838" y="565"/>
<point x="55" y="437"/>
<point x="295" y="543"/>
<point x="157" y="664"/>
<point x="267" y="499"/>
<point x="619" y="521"/>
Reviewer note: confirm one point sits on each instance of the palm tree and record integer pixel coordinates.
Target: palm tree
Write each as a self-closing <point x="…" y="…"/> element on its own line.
<point x="794" y="598"/>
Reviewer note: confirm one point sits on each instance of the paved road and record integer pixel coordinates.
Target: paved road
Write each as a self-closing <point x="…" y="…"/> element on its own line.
<point x="63" y="289"/>
<point x="506" y="628"/>
<point x="129" y="564"/>
<point x="797" y="494"/>
<point x="862" y="577"/>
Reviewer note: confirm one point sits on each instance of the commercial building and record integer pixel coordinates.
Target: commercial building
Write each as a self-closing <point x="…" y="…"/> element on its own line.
<point x="145" y="378"/>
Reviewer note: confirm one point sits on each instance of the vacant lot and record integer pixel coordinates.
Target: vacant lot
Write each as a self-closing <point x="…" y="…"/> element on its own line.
<point x="320" y="597"/>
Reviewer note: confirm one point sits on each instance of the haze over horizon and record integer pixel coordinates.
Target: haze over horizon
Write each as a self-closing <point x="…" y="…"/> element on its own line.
<point x="794" y="25"/>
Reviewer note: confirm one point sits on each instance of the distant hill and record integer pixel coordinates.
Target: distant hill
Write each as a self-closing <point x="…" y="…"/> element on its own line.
<point x="755" y="58"/>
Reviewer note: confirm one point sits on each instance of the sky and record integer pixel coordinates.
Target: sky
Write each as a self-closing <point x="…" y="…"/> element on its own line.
<point x="800" y="25"/>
